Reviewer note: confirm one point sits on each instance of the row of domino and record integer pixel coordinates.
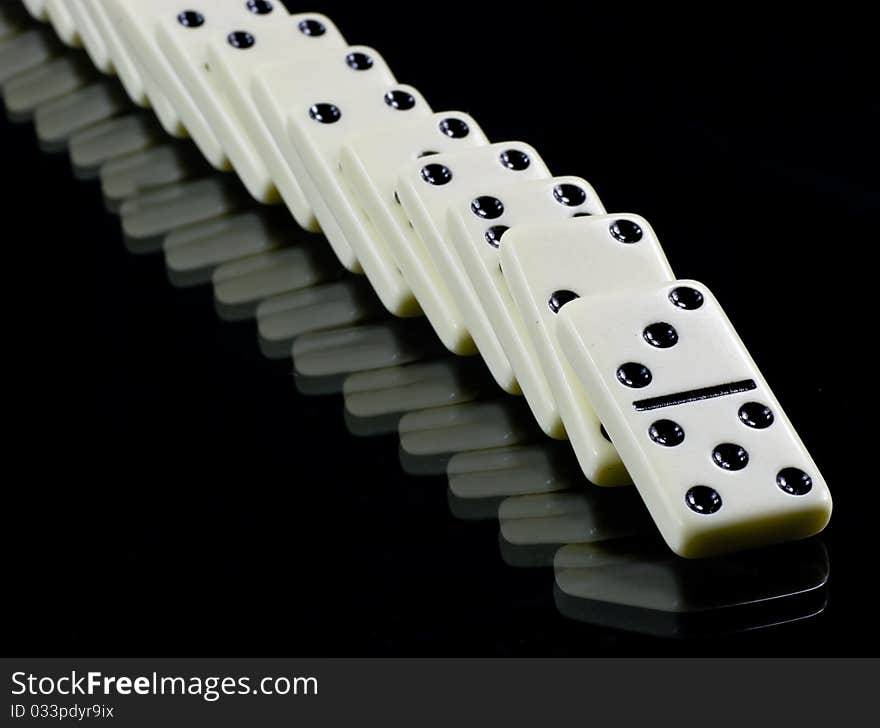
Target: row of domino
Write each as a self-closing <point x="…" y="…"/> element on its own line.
<point x="578" y="311"/>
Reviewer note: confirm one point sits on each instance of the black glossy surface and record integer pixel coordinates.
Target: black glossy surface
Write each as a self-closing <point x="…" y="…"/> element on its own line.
<point x="170" y="492"/>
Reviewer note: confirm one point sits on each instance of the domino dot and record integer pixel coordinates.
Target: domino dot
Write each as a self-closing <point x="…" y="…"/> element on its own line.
<point x="455" y="128"/>
<point x="625" y="231"/>
<point x="494" y="233"/>
<point x="583" y="214"/>
<point x="757" y="415"/>
<point x="634" y="375"/>
<point x="703" y="499"/>
<point x="569" y="195"/>
<point x="728" y="456"/>
<point x="515" y="160"/>
<point x="427" y="154"/>
<point x="666" y="433"/>
<point x="325" y="113"/>
<point x="191" y="19"/>
<point x="487" y="207"/>
<point x="560" y="298"/>
<point x="241" y="39"/>
<point x="436" y="174"/>
<point x="687" y="298"/>
<point x="259" y="7"/>
<point x="661" y="335"/>
<point x="359" y="61"/>
<point x="400" y="100"/>
<point x="794" y="481"/>
<point x="312" y="28"/>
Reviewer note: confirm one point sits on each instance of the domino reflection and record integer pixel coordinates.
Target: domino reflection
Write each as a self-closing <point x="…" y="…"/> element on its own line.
<point x="640" y="586"/>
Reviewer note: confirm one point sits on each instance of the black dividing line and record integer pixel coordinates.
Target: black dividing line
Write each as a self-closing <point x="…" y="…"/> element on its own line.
<point x="695" y="395"/>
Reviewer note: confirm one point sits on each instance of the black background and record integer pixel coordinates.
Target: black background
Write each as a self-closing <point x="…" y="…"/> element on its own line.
<point x="172" y="494"/>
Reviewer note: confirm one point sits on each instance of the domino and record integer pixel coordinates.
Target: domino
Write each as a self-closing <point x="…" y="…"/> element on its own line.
<point x="370" y="161"/>
<point x="92" y="41"/>
<point x="244" y="28"/>
<point x="329" y="108"/>
<point x="309" y="107"/>
<point x="711" y="452"/>
<point x="541" y="264"/>
<point x="63" y="22"/>
<point x="233" y="67"/>
<point x="477" y="241"/>
<point x="134" y="27"/>
<point x="427" y="187"/>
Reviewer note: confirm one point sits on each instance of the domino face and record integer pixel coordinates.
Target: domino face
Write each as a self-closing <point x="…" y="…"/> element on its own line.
<point x="242" y="26"/>
<point x="427" y="187"/>
<point x="711" y="451"/>
<point x="233" y="68"/>
<point x="332" y="104"/>
<point x="370" y="161"/>
<point x="138" y="22"/>
<point x="288" y="91"/>
<point x="477" y="242"/>
<point x="542" y="265"/>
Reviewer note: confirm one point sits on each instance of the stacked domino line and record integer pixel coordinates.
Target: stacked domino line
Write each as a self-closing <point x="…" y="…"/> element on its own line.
<point x="575" y="309"/>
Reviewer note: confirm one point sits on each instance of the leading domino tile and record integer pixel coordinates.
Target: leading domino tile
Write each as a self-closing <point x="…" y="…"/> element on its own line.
<point x="713" y="455"/>
<point x="283" y="91"/>
<point x="233" y="73"/>
<point x="428" y="186"/>
<point x="477" y="242"/>
<point x="370" y="161"/>
<point x="244" y="27"/>
<point x="540" y="262"/>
